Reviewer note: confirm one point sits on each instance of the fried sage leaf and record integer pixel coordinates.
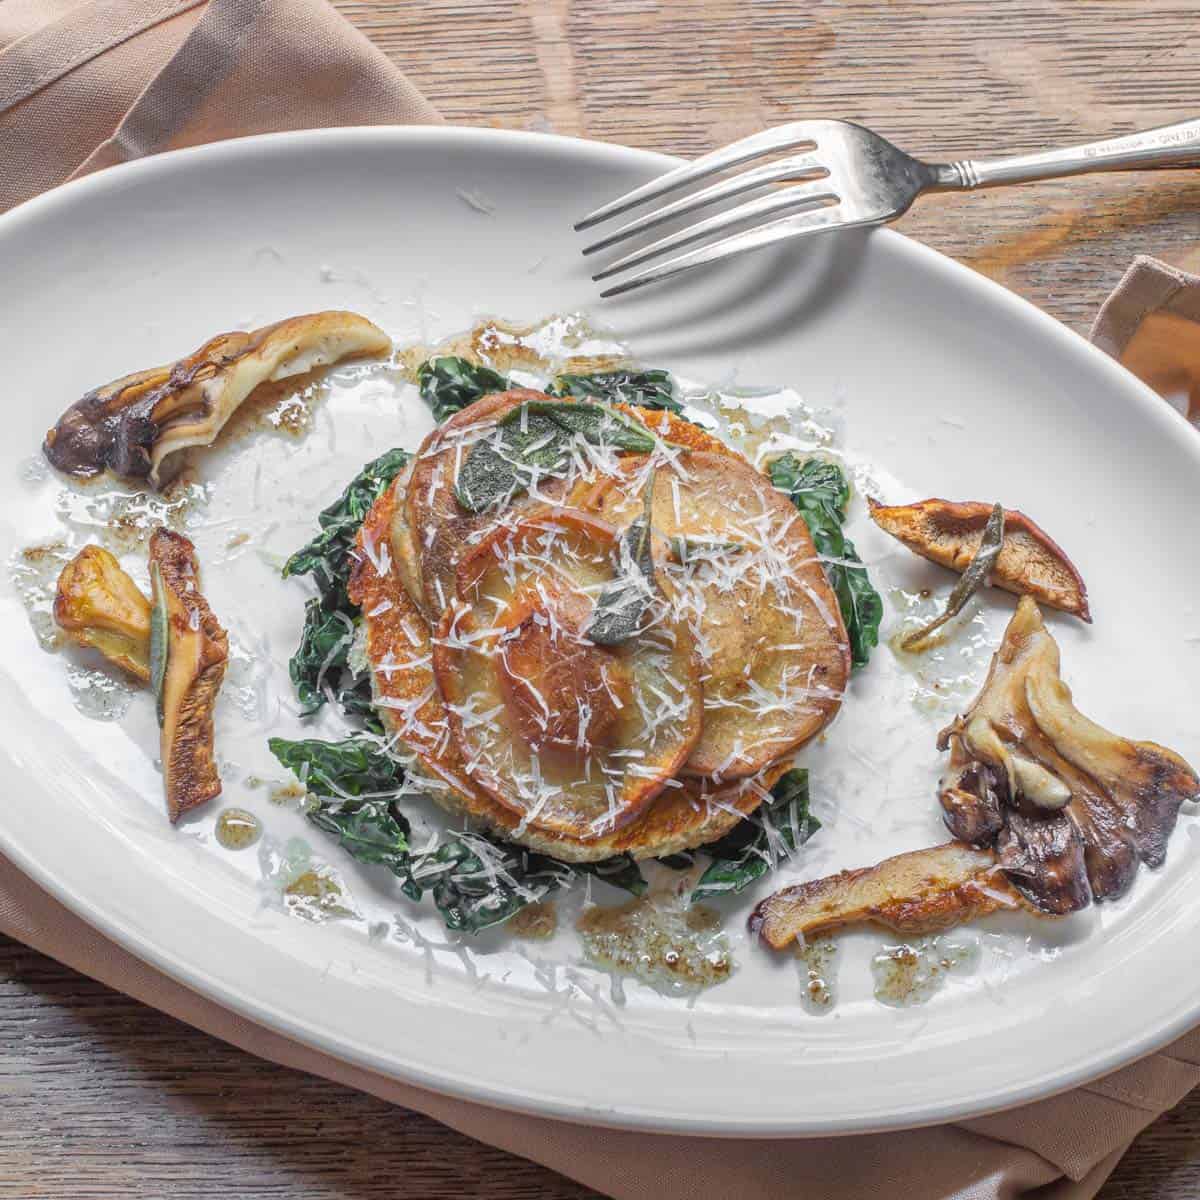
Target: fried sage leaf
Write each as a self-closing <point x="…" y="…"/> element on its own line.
<point x="773" y="832"/>
<point x="969" y="582"/>
<point x="641" y="389"/>
<point x="622" y="606"/>
<point x="330" y="619"/>
<point x="820" y="491"/>
<point x="449" y="384"/>
<point x="536" y="440"/>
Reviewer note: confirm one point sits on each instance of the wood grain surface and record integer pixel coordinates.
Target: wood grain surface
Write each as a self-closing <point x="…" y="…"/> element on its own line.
<point x="105" y="1098"/>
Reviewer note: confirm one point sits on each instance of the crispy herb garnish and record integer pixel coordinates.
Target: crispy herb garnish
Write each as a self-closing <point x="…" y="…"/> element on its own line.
<point x="971" y="580"/>
<point x="621" y="607"/>
<point x="160" y="624"/>
<point x="820" y="491"/>
<point x="642" y="389"/>
<point x="535" y="440"/>
<point x="330" y="619"/>
<point x="686" y="550"/>
<point x="449" y="384"/>
<point x="476" y="880"/>
<point x="755" y="845"/>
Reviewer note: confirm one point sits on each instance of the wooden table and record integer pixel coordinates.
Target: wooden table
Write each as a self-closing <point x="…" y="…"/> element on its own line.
<point x="103" y="1097"/>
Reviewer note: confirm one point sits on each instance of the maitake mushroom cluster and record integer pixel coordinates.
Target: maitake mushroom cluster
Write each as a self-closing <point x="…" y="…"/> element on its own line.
<point x="598" y="630"/>
<point x="1070" y="808"/>
<point x="1050" y="810"/>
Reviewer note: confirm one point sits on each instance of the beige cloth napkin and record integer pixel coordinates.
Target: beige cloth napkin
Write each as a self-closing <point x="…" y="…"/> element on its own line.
<point x="86" y="85"/>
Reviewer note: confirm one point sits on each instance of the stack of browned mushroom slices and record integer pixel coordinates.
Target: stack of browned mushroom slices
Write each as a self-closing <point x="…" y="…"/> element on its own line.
<point x="619" y="651"/>
<point x="1051" y="811"/>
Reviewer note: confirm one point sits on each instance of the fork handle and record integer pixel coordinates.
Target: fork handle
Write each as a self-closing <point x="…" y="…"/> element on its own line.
<point x="1152" y="149"/>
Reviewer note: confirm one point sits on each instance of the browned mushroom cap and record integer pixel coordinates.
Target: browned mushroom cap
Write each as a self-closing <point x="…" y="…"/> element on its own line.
<point x="188" y="657"/>
<point x="96" y="604"/>
<point x="131" y="425"/>
<point x="1070" y="807"/>
<point x="922" y="891"/>
<point x="1031" y="563"/>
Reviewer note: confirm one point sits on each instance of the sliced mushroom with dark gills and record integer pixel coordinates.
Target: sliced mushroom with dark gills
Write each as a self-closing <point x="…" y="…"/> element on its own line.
<point x="1070" y="808"/>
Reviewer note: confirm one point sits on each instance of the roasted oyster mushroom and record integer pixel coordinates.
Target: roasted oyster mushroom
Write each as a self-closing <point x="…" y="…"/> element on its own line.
<point x="922" y="891"/>
<point x="96" y="604"/>
<point x="1070" y="808"/>
<point x="1031" y="563"/>
<point x="131" y="426"/>
<point x="188" y="654"/>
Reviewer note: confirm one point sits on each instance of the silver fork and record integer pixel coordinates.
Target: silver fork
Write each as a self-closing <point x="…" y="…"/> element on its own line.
<point x="842" y="176"/>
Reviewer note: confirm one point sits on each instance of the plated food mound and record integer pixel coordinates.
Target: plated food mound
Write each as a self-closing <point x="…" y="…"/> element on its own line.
<point x="601" y="628"/>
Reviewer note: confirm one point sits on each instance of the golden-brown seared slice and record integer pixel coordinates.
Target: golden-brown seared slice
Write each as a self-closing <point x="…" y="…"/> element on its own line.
<point x="922" y="891"/>
<point x="189" y="650"/>
<point x="574" y="737"/>
<point x="398" y="645"/>
<point x="130" y="426"/>
<point x="432" y="531"/>
<point x="98" y="605"/>
<point x="439" y="529"/>
<point x="1031" y="563"/>
<point x="767" y="624"/>
<point x="1070" y="807"/>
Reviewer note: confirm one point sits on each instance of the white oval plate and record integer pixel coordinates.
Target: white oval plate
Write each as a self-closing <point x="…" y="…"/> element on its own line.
<point x="933" y="375"/>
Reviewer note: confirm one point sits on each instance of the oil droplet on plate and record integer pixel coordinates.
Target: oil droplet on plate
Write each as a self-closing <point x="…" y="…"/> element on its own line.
<point x="535" y="922"/>
<point x="316" y="895"/>
<point x="659" y="940"/>
<point x="912" y="972"/>
<point x="237" y="829"/>
<point x="817" y="961"/>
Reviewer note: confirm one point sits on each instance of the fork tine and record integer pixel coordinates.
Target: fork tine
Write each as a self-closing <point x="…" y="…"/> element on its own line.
<point x="799" y="166"/>
<point x="796" y="225"/>
<point x="782" y="137"/>
<point x="806" y="195"/>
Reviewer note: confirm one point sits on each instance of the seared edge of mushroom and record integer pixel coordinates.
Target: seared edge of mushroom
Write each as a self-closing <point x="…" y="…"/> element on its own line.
<point x="948" y="533"/>
<point x="130" y="426"/>
<point x="189" y="650"/>
<point x="1070" y="808"/>
<point x="920" y="891"/>
<point x="97" y="605"/>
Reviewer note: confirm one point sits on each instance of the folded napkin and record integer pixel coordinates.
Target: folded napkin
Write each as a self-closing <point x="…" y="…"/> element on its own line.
<point x="86" y="85"/>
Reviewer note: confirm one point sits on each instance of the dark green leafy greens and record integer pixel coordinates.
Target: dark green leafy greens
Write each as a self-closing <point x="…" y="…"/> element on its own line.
<point x="970" y="581"/>
<point x="820" y="491"/>
<point x="450" y="383"/>
<point x="643" y="389"/>
<point x="535" y="440"/>
<point x="330" y="618"/>
<point x="756" y="844"/>
<point x="621" y="607"/>
<point x="475" y="880"/>
<point x="340" y="770"/>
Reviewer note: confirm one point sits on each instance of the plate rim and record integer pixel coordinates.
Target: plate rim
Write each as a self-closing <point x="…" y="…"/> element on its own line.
<point x="244" y="1003"/>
